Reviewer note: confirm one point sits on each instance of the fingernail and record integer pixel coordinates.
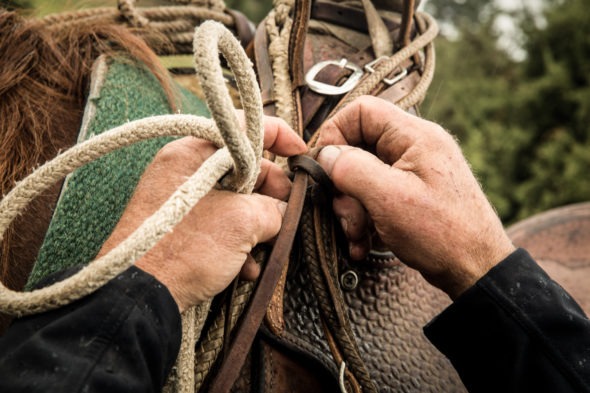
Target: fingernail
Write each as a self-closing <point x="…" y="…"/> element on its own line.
<point x="282" y="207"/>
<point x="344" y="225"/>
<point x="327" y="157"/>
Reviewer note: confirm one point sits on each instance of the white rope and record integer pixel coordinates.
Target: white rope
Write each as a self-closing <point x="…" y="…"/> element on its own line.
<point x="243" y="157"/>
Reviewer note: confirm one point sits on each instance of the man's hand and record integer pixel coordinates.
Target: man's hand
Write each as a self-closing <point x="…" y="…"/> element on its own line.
<point x="418" y="190"/>
<point x="209" y="246"/>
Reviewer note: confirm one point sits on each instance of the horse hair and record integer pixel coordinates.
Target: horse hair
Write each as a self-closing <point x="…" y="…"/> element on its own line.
<point x="44" y="80"/>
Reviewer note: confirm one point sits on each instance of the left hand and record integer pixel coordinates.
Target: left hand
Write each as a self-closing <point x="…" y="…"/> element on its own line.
<point x="208" y="248"/>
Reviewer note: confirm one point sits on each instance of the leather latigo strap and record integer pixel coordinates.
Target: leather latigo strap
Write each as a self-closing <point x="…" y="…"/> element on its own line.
<point x="250" y="321"/>
<point x="237" y="349"/>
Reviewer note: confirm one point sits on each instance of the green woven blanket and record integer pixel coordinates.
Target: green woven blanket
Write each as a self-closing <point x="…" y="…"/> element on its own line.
<point x="95" y="195"/>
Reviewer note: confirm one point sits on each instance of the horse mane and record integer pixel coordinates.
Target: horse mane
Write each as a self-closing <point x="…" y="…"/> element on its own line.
<point x="44" y="79"/>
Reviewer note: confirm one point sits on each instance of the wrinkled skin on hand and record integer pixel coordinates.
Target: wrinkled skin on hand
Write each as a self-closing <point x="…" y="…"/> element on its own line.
<point x="209" y="247"/>
<point x="407" y="178"/>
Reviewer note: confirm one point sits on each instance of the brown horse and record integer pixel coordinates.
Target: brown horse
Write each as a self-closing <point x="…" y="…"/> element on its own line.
<point x="44" y="79"/>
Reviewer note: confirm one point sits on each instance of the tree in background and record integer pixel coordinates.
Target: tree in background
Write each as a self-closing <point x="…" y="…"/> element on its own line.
<point x="523" y="125"/>
<point x="554" y="105"/>
<point x="254" y="9"/>
<point x="15" y="4"/>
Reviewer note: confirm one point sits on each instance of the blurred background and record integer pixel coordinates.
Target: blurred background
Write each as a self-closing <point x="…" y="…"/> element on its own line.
<point x="512" y="83"/>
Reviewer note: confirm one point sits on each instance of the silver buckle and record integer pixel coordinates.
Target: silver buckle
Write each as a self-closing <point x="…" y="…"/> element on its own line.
<point x="331" y="90"/>
<point x="370" y="67"/>
<point x="398" y="77"/>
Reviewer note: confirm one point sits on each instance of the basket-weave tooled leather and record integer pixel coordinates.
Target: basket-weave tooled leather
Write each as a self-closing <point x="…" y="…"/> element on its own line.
<point x="386" y="310"/>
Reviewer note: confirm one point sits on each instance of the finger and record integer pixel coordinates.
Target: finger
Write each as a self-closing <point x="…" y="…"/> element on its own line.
<point x="352" y="216"/>
<point x="363" y="176"/>
<point x="360" y="249"/>
<point x="280" y="139"/>
<point x="250" y="269"/>
<point x="272" y="181"/>
<point x="265" y="217"/>
<point x="374" y="123"/>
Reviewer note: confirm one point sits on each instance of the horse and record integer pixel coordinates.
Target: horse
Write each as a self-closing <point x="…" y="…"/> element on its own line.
<point x="44" y="79"/>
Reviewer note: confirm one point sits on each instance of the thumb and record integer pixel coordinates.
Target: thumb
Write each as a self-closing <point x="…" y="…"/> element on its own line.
<point x="361" y="175"/>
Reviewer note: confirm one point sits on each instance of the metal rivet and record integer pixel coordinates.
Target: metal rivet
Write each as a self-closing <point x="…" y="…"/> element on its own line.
<point x="349" y="280"/>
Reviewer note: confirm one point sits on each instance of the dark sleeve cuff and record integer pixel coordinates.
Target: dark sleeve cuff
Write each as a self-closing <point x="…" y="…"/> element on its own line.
<point x="123" y="337"/>
<point x="516" y="330"/>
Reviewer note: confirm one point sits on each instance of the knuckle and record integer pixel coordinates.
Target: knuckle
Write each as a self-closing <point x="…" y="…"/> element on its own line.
<point x="186" y="152"/>
<point x="173" y="151"/>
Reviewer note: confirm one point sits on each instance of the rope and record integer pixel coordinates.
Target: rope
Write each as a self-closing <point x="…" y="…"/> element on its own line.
<point x="129" y="12"/>
<point x="425" y="25"/>
<point x="239" y="155"/>
<point x="430" y="30"/>
<point x="211" y="343"/>
<point x="176" y="22"/>
<point x="278" y="27"/>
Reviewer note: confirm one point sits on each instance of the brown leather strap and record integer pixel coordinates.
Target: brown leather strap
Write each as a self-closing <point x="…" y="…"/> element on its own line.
<point x="297" y="41"/>
<point x="250" y="321"/>
<point x="244" y="27"/>
<point x="264" y="70"/>
<point x="406" y="27"/>
<point x="351" y="18"/>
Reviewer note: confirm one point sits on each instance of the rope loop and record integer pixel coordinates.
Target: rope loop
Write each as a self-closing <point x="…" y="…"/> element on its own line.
<point x="220" y="131"/>
<point x="213" y="37"/>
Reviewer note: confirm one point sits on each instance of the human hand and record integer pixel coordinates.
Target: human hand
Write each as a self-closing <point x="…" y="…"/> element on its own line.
<point x="418" y="190"/>
<point x="208" y="248"/>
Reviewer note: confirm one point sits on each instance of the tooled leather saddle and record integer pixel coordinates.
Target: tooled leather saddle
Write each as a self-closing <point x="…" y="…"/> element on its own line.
<point x="318" y="321"/>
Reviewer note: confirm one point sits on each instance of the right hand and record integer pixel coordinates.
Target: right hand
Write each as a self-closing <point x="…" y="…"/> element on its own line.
<point x="421" y="196"/>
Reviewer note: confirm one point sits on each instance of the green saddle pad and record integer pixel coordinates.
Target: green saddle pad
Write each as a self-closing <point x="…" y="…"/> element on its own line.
<point x="94" y="196"/>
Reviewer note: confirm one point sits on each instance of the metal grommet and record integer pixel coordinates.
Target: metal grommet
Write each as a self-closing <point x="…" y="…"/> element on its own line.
<point x="349" y="280"/>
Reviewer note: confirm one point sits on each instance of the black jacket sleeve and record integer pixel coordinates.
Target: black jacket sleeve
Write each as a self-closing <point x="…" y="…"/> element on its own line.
<point x="516" y="330"/>
<point x="122" y="338"/>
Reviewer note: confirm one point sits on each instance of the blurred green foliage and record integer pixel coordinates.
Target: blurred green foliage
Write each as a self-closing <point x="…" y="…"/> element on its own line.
<point x="524" y="126"/>
<point x="15" y="4"/>
<point x="254" y="9"/>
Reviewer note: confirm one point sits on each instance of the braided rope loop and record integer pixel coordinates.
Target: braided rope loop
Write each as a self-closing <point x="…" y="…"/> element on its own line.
<point x="220" y="132"/>
<point x="246" y="149"/>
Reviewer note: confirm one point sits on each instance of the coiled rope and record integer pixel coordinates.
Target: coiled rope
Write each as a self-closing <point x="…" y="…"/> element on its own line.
<point x="176" y="22"/>
<point x="238" y="157"/>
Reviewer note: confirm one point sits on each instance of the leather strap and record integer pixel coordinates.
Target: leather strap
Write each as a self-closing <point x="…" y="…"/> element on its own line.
<point x="264" y="70"/>
<point x="250" y="321"/>
<point x="297" y="41"/>
<point x="243" y="26"/>
<point x="351" y="18"/>
<point x="406" y="27"/>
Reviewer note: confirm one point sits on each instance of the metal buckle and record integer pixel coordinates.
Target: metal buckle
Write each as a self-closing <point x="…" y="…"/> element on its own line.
<point x="331" y="90"/>
<point x="398" y="77"/>
<point x="370" y="67"/>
